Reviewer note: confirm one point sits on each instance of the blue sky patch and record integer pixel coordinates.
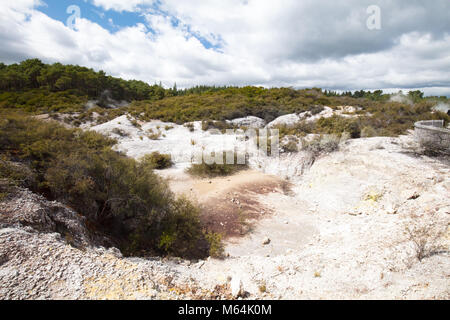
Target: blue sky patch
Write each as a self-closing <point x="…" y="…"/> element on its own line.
<point x="108" y="19"/>
<point x="113" y="20"/>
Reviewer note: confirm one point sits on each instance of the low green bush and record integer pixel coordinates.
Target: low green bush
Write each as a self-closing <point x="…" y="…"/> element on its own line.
<point x="156" y="160"/>
<point x="190" y="126"/>
<point x="43" y="101"/>
<point x="16" y="174"/>
<point x="322" y="144"/>
<point x="291" y="147"/>
<point x="120" y="132"/>
<point x="153" y="134"/>
<point x="219" y="125"/>
<point x="216" y="247"/>
<point x="213" y="170"/>
<point x="337" y="125"/>
<point x="368" y="132"/>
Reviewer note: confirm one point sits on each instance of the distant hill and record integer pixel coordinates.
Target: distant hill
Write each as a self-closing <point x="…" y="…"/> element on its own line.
<point x="56" y="88"/>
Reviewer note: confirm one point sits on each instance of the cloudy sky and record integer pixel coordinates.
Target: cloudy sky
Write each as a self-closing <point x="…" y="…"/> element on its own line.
<point x="299" y="43"/>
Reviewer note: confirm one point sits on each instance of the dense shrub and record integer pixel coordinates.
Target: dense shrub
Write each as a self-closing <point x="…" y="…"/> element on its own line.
<point x="120" y="132"/>
<point x="13" y="175"/>
<point x="219" y="125"/>
<point x="322" y="145"/>
<point x="393" y="119"/>
<point x="337" y="125"/>
<point x="291" y="146"/>
<point x="43" y="100"/>
<point x="33" y="74"/>
<point x="17" y="174"/>
<point x="120" y="197"/>
<point x="190" y="126"/>
<point x="213" y="170"/>
<point x="157" y="160"/>
<point x="316" y="110"/>
<point x="39" y="88"/>
<point x="216" y="248"/>
<point x="368" y="132"/>
<point x="230" y="103"/>
<point x="153" y="134"/>
<point x="180" y="232"/>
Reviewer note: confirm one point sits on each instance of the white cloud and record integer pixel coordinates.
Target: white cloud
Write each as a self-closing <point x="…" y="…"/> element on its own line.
<point x="120" y="5"/>
<point x="283" y="43"/>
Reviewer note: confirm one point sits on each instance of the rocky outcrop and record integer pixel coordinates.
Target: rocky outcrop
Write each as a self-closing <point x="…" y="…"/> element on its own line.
<point x="26" y="209"/>
<point x="42" y="266"/>
<point x="47" y="252"/>
<point x="286" y="120"/>
<point x="249" y="122"/>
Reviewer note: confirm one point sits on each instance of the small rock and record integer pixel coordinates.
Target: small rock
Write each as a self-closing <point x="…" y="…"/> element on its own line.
<point x="115" y="252"/>
<point x="391" y="209"/>
<point x="236" y="286"/>
<point x="439" y="179"/>
<point x="414" y="196"/>
<point x="266" y="241"/>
